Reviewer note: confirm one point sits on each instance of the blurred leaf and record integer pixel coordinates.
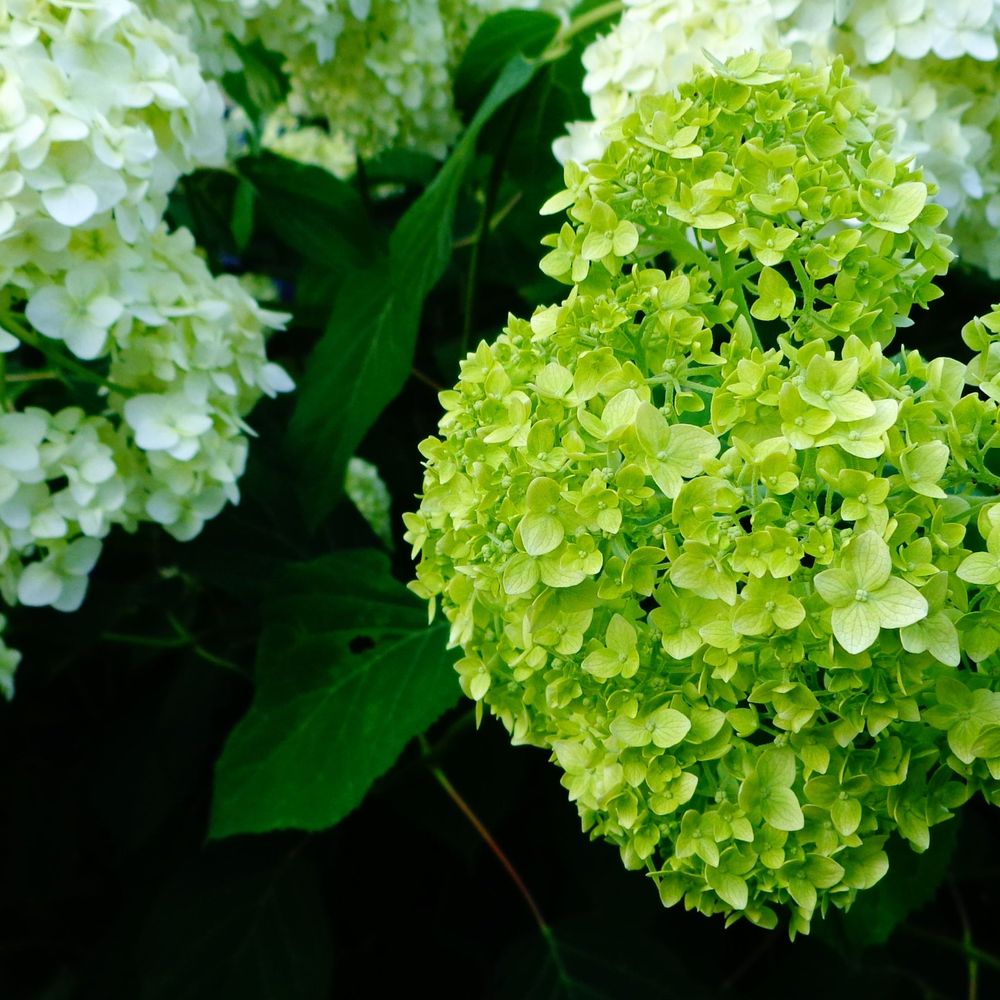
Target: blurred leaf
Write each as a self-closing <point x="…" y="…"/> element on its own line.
<point x="913" y="880"/>
<point x="348" y="672"/>
<point x="230" y="932"/>
<point x="366" y="352"/>
<point x="260" y="85"/>
<point x="312" y="212"/>
<point x="243" y="213"/>
<point x="401" y="166"/>
<point x="578" y="962"/>
<point x="498" y="39"/>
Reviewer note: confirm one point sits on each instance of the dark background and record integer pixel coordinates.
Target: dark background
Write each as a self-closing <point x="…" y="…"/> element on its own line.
<point x="109" y="887"/>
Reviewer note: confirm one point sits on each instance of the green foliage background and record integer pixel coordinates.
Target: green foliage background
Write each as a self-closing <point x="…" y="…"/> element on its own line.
<point x="213" y="784"/>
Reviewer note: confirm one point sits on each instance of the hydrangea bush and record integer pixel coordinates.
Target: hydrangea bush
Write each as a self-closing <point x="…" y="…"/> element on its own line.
<point x="371" y="73"/>
<point x="931" y="69"/>
<point x="705" y="530"/>
<point x="127" y="367"/>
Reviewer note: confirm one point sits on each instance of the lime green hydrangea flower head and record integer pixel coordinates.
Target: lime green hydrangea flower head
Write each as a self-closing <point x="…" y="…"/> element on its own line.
<point x="745" y="595"/>
<point x="931" y="69"/>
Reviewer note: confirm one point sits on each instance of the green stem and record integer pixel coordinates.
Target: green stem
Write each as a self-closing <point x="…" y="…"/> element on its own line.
<point x="972" y="963"/>
<point x="58" y="358"/>
<point x="806" y="284"/>
<point x="499" y="216"/>
<point x="602" y="13"/>
<point x="426" y="379"/>
<point x="684" y="252"/>
<point x="969" y="950"/>
<point x="729" y="280"/>
<point x="147" y="641"/>
<point x="182" y="640"/>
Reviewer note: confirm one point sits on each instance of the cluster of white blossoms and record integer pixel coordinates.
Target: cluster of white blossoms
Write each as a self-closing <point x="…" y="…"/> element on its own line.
<point x="127" y="367"/>
<point x="931" y="68"/>
<point x="364" y="74"/>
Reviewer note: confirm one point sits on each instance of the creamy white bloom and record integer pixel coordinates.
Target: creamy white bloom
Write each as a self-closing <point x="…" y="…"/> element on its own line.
<point x="932" y="69"/>
<point x="102" y="109"/>
<point x="376" y="73"/>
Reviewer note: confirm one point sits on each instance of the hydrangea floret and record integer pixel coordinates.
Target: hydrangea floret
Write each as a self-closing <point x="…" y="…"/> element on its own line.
<point x="701" y="534"/>
<point x="126" y="367"/>
<point x="931" y="69"/>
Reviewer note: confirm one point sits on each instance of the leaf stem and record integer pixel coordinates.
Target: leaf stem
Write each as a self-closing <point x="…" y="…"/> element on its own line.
<point x="426" y="379"/>
<point x="969" y="950"/>
<point x="602" y="13"/>
<point x="730" y="280"/>
<point x="58" y="358"/>
<point x="972" y="962"/>
<point x="515" y="876"/>
<point x="182" y="639"/>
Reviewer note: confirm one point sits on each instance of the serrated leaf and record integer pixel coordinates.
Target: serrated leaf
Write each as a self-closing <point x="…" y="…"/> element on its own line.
<point x="366" y="352"/>
<point x="497" y="40"/>
<point x="226" y="929"/>
<point x="312" y="212"/>
<point x="348" y="671"/>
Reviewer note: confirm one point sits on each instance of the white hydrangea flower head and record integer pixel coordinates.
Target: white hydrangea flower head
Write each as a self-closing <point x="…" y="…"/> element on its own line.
<point x="102" y="109"/>
<point x="932" y="69"/>
<point x="656" y="45"/>
<point x="376" y="72"/>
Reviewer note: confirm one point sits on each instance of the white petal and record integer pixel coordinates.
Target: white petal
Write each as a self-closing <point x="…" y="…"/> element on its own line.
<point x="104" y="310"/>
<point x="39" y="585"/>
<point x="49" y="310"/>
<point x="163" y="507"/>
<point x="73" y="592"/>
<point x="80" y="558"/>
<point x="18" y="456"/>
<point x="71" y="205"/>
<point x="86" y="340"/>
<point x="274" y="379"/>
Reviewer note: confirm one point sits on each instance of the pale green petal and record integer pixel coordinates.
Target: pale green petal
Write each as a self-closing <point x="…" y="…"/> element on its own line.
<point x="669" y="727"/>
<point x="782" y="810"/>
<point x="836" y="587"/>
<point x="981" y="567"/>
<point x="541" y="533"/>
<point x="869" y="560"/>
<point x="898" y="603"/>
<point x="855" y="626"/>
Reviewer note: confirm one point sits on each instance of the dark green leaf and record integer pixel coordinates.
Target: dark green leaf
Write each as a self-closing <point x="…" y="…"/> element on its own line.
<point x="229" y="933"/>
<point x="366" y="352"/>
<point x="401" y="166"/>
<point x="243" y="212"/>
<point x="312" y="212"/>
<point x="498" y="39"/>
<point x="348" y="672"/>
